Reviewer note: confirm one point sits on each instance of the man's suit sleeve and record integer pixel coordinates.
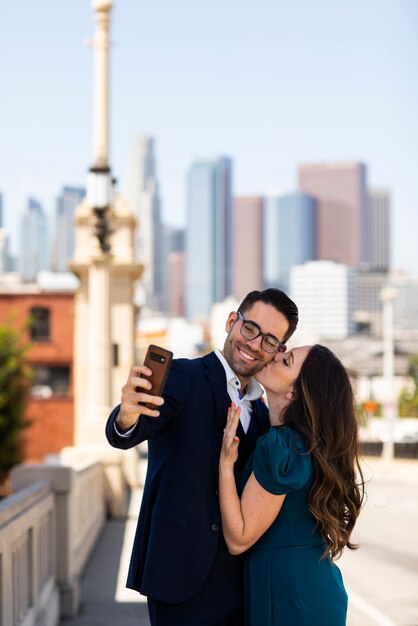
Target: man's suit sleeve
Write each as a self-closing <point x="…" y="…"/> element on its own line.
<point x="176" y="392"/>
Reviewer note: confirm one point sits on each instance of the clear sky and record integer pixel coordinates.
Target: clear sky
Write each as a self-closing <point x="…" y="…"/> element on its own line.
<point x="270" y="83"/>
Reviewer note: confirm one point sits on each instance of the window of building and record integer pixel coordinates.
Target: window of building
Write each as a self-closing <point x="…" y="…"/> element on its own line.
<point x="40" y="324"/>
<point x="50" y="381"/>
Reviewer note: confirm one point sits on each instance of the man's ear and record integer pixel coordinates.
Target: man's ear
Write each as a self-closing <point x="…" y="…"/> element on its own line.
<point x="230" y="321"/>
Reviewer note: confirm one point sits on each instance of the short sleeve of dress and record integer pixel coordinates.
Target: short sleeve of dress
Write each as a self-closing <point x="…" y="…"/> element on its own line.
<point x="281" y="464"/>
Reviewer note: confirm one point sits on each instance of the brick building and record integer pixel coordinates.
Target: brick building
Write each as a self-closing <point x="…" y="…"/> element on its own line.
<point x="50" y="335"/>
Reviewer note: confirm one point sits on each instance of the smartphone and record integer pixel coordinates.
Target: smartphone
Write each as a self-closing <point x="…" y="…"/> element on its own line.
<point x="159" y="361"/>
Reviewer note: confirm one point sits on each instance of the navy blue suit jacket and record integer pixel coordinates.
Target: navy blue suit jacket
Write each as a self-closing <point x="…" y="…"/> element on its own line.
<point x="179" y="530"/>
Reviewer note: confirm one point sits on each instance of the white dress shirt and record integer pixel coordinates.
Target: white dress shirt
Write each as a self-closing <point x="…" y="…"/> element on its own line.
<point x="253" y="391"/>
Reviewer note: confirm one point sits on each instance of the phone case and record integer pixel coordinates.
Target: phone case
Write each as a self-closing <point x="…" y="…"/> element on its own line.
<point x="159" y="361"/>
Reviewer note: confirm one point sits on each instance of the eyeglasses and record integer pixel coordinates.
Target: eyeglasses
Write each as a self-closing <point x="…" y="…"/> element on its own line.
<point x="251" y="330"/>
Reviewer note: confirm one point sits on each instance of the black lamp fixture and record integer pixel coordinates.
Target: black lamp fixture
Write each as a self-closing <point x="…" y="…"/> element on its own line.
<point x="99" y="196"/>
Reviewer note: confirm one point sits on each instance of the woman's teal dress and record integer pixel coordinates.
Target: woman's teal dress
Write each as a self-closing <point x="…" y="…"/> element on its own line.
<point x="286" y="583"/>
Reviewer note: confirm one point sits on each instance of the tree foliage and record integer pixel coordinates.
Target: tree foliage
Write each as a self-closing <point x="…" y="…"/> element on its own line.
<point x="15" y="376"/>
<point x="408" y="398"/>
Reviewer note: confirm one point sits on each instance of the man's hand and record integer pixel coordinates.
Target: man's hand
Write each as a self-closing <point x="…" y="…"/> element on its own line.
<point x="134" y="397"/>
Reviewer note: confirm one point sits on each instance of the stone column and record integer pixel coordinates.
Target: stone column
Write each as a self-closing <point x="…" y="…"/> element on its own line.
<point x="102" y="10"/>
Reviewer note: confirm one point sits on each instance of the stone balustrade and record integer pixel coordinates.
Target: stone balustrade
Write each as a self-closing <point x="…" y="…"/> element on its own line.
<point x="48" y="528"/>
<point x="28" y="589"/>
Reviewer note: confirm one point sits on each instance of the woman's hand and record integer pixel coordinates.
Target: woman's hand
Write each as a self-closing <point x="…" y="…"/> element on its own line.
<point x="229" y="451"/>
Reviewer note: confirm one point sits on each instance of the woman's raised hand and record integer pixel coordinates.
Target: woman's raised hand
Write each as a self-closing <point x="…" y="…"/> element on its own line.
<point x="230" y="442"/>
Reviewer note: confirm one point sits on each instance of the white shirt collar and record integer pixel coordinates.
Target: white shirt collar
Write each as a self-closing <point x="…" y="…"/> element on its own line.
<point x="254" y="390"/>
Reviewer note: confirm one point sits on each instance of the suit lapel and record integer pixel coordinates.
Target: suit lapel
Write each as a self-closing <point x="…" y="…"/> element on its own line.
<point x="255" y="426"/>
<point x="217" y="379"/>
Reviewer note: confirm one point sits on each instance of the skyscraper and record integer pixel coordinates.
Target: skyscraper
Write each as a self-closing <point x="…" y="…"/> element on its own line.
<point x="368" y="303"/>
<point x="176" y="289"/>
<point x="405" y="304"/>
<point x="209" y="235"/>
<point x="341" y="210"/>
<point x="6" y="261"/>
<point x="248" y="245"/>
<point x="34" y="255"/>
<point x="172" y="252"/>
<point x="325" y="295"/>
<point x="143" y="196"/>
<point x="64" y="227"/>
<point x="379" y="229"/>
<point x="288" y="236"/>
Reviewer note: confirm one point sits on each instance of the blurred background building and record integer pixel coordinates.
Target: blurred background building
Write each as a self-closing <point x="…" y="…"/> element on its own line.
<point x="209" y="235"/>
<point x="379" y="251"/>
<point x="144" y="196"/>
<point x="247" y="264"/>
<point x="340" y="193"/>
<point x="325" y="294"/>
<point x="34" y="243"/>
<point x="288" y="236"/>
<point x="63" y="242"/>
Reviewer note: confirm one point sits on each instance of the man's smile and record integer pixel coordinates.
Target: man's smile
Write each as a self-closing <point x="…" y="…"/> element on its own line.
<point x="245" y="355"/>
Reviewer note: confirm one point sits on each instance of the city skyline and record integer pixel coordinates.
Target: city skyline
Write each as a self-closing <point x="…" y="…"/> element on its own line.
<point x="271" y="85"/>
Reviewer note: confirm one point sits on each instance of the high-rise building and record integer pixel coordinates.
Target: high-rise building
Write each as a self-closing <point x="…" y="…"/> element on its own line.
<point x="369" y="306"/>
<point x="6" y="260"/>
<point x="341" y="211"/>
<point x="247" y="260"/>
<point x="143" y="196"/>
<point x="34" y="255"/>
<point x="209" y="235"/>
<point x="289" y="236"/>
<point x="64" y="227"/>
<point x="325" y="295"/>
<point x="176" y="304"/>
<point x="173" y="243"/>
<point x="379" y="229"/>
<point x="405" y="304"/>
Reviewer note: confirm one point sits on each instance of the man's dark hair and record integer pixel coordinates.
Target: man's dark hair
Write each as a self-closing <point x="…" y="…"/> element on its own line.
<point x="280" y="301"/>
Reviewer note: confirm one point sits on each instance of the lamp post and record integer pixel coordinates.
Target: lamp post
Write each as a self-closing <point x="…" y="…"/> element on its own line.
<point x="99" y="179"/>
<point x="104" y="261"/>
<point x="387" y="296"/>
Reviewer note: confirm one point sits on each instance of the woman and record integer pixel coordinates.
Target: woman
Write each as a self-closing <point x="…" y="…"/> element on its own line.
<point x="303" y="492"/>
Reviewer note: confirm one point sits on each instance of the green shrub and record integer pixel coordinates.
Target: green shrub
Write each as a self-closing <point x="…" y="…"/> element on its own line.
<point x="15" y="376"/>
<point x="408" y="398"/>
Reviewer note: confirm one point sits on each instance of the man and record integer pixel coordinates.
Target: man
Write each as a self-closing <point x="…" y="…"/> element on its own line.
<point x="179" y="558"/>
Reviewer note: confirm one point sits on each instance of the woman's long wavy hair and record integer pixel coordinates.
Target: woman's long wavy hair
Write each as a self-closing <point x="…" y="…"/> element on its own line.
<point x="323" y="412"/>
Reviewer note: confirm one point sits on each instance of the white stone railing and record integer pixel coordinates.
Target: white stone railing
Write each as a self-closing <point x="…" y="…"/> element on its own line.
<point x="48" y="528"/>
<point x="28" y="589"/>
